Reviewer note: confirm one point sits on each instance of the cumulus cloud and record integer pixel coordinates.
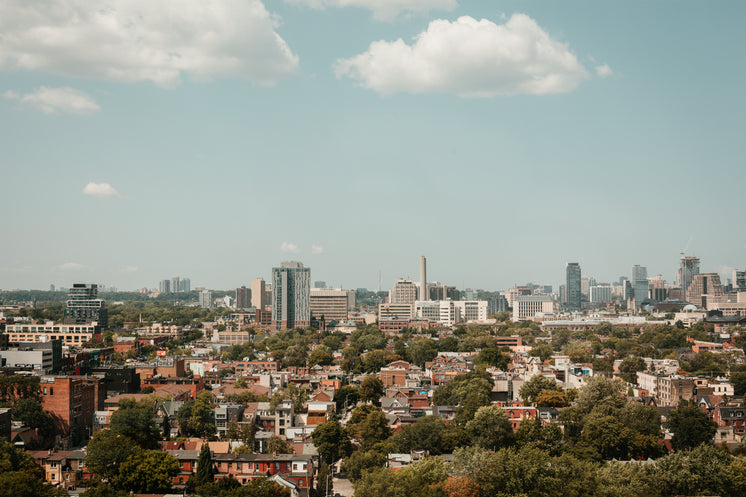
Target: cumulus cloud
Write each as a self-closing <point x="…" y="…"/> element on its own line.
<point x="469" y="58"/>
<point x="101" y="190"/>
<point x="53" y="100"/>
<point x="71" y="266"/>
<point x="317" y="249"/>
<point x="382" y="9"/>
<point x="604" y="71"/>
<point x="289" y="248"/>
<point x="143" y="40"/>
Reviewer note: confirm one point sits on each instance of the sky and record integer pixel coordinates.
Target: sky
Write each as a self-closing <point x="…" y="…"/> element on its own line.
<point x="213" y="139"/>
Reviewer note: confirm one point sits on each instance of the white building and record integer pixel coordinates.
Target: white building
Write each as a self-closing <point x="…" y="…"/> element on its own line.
<point x="436" y="311"/>
<point x="600" y="294"/>
<point x="528" y="306"/>
<point x="470" y="310"/>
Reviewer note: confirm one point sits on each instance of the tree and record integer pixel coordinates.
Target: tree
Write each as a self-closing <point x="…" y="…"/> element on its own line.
<point x="107" y="451"/>
<point x="195" y="416"/>
<point x="535" y="385"/>
<point x="629" y="368"/>
<point x="371" y="389"/>
<point x="346" y="396"/>
<point x="20" y="475"/>
<point x="551" y="398"/>
<point x="690" y="425"/>
<point x="331" y="441"/>
<point x="422" y="350"/>
<point x="137" y="422"/>
<point x="374" y="429"/>
<point x="205" y="466"/>
<point x="104" y="490"/>
<point x="30" y="412"/>
<point x="278" y="445"/>
<point x="541" y="350"/>
<point x="492" y="356"/>
<point x="325" y="481"/>
<point x="490" y="428"/>
<point x="321" y="355"/>
<point x="149" y="471"/>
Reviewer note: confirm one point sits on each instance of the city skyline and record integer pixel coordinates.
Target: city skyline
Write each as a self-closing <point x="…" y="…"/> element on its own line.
<point x="619" y="149"/>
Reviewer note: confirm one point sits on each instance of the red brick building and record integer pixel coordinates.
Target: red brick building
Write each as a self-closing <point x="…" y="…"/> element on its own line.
<point x="72" y="400"/>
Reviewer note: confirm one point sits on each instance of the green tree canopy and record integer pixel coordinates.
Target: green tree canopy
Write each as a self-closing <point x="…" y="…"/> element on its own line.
<point x="107" y="451"/>
<point x="137" y="422"/>
<point x="149" y="471"/>
<point x="690" y="425"/>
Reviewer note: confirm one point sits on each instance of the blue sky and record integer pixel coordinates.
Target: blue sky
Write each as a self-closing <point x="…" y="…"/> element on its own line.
<point x="500" y="139"/>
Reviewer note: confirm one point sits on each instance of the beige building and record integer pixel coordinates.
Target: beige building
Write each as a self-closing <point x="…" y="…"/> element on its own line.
<point x="70" y="334"/>
<point x="331" y="303"/>
<point x="705" y="290"/>
<point x="258" y="294"/>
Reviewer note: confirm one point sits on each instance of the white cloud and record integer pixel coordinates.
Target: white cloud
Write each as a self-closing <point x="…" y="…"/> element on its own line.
<point x="383" y="9"/>
<point x="289" y="247"/>
<point x="101" y="190"/>
<point x="145" y="40"/>
<point x="52" y="100"/>
<point x="317" y="249"/>
<point x="604" y="71"/>
<point x="71" y="266"/>
<point x="469" y="58"/>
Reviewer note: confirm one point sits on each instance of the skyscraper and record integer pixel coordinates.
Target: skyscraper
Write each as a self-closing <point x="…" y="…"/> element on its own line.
<point x="572" y="286"/>
<point x="164" y="286"/>
<point x="258" y="294"/>
<point x="291" y="296"/>
<point x="175" y="284"/>
<point x="205" y="299"/>
<point x="185" y="285"/>
<point x="243" y="298"/>
<point x="640" y="283"/>
<point x="689" y="267"/>
<point x="739" y="280"/>
<point x="84" y="306"/>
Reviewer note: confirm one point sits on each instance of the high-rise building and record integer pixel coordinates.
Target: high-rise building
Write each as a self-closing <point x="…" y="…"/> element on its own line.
<point x="739" y="280"/>
<point x="640" y="283"/>
<point x="258" y="294"/>
<point x="689" y="267"/>
<point x="185" y="285"/>
<point x="705" y="290"/>
<point x="403" y="292"/>
<point x="84" y="306"/>
<point x="598" y="294"/>
<point x="330" y="303"/>
<point x="572" y="286"/>
<point x="424" y="294"/>
<point x="443" y="292"/>
<point x="291" y="296"/>
<point x="175" y="284"/>
<point x="164" y="286"/>
<point x="205" y="299"/>
<point x="243" y="298"/>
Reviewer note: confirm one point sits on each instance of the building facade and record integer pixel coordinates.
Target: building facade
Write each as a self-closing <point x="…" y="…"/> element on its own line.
<point x="688" y="268"/>
<point x="572" y="286"/>
<point x="640" y="283"/>
<point x="291" y="296"/>
<point x="330" y="303"/>
<point x="243" y="298"/>
<point x="84" y="306"/>
<point x="258" y="294"/>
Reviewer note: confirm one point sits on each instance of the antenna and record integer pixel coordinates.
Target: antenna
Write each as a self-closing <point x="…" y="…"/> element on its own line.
<point x="379" y="280"/>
